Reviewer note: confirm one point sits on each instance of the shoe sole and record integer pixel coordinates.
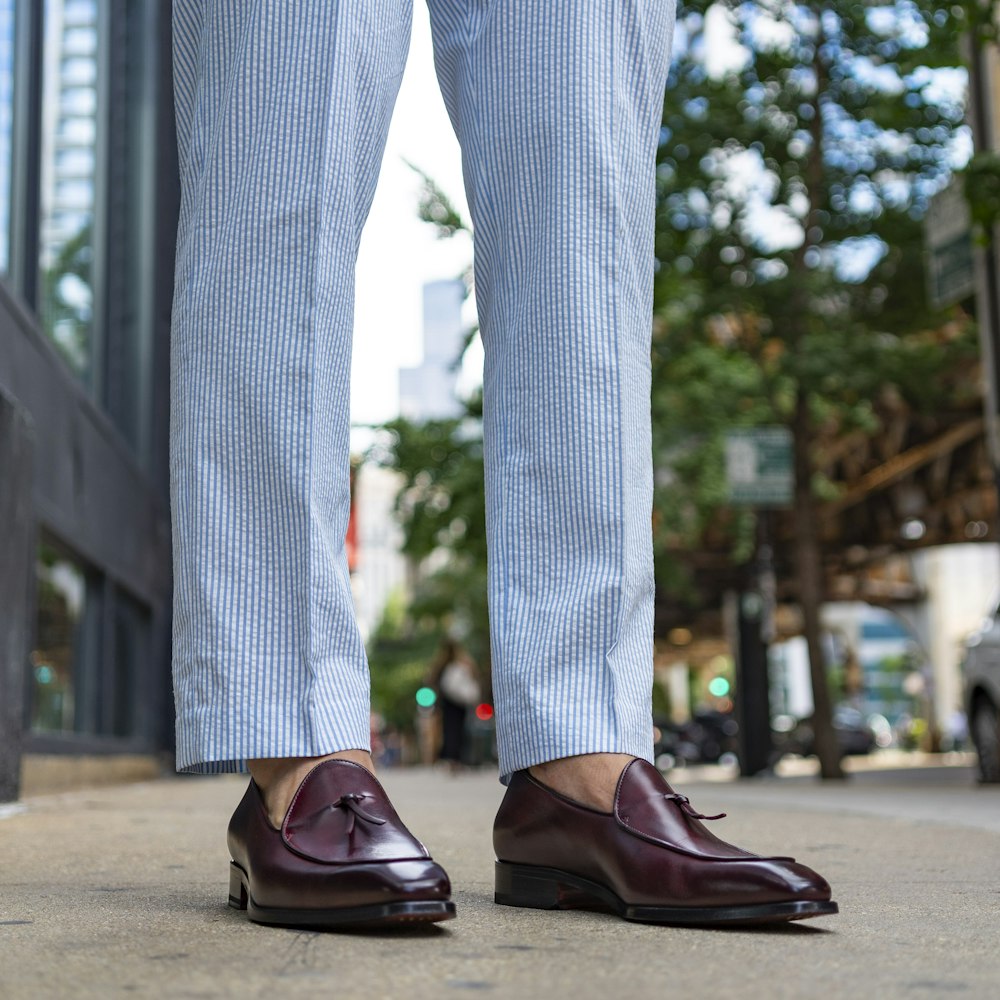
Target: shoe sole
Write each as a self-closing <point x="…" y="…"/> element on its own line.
<point x="553" y="889"/>
<point x="377" y="915"/>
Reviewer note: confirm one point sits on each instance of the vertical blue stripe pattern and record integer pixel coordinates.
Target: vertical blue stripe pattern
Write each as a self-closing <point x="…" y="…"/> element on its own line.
<point x="282" y="112"/>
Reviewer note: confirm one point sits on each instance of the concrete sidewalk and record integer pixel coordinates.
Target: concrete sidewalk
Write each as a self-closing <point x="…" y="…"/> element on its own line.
<point x="122" y="892"/>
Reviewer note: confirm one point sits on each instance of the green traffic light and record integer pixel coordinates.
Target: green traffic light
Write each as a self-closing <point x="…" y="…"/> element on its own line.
<point x="426" y="697"/>
<point x="718" y="687"/>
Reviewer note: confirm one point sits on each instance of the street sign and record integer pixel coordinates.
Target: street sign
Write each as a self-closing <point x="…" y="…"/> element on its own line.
<point x="759" y="468"/>
<point x="951" y="273"/>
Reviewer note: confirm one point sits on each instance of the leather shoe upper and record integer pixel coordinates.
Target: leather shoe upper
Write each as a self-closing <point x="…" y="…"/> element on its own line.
<point x="651" y="850"/>
<point x="342" y="815"/>
<point x="340" y="845"/>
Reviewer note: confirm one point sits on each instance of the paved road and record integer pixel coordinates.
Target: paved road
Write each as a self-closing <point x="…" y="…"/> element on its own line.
<point x="121" y="893"/>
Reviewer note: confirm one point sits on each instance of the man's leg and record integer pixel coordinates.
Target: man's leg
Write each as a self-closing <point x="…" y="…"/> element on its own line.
<point x="282" y="113"/>
<point x="557" y="107"/>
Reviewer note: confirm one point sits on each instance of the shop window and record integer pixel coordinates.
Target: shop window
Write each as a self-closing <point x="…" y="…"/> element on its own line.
<point x="6" y="125"/>
<point x="67" y="641"/>
<point x="91" y="651"/>
<point x="68" y="182"/>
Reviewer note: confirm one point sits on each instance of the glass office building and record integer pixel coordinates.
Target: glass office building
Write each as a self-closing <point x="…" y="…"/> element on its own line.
<point x="88" y="205"/>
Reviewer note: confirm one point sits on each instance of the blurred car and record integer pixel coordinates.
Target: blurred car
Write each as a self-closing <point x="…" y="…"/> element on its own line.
<point x="706" y="738"/>
<point x="981" y="670"/>
<point x="854" y="735"/>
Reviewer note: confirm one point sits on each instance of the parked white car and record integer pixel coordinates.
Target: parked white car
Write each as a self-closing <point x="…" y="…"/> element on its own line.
<point x="981" y="669"/>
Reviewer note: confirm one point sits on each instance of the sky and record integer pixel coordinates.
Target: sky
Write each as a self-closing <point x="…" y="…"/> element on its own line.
<point x="399" y="253"/>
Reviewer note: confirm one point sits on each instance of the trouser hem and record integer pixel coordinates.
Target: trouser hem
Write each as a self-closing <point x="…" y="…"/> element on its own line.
<point x="558" y="749"/>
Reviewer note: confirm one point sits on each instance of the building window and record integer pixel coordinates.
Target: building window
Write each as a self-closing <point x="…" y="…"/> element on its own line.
<point x="91" y="652"/>
<point x="67" y="634"/>
<point x="6" y="125"/>
<point x="68" y="180"/>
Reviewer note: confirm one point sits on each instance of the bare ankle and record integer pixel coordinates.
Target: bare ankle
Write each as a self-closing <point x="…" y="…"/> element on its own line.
<point x="279" y="777"/>
<point x="590" y="779"/>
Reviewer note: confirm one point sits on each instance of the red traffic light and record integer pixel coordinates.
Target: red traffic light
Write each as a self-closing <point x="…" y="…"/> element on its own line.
<point x="484" y="712"/>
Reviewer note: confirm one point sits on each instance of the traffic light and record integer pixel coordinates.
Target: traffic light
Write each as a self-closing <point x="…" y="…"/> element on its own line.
<point x="718" y="687"/>
<point x="426" y="697"/>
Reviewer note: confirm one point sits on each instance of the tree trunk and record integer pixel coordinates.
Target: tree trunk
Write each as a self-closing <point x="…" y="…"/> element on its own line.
<point x="808" y="555"/>
<point x="810" y="573"/>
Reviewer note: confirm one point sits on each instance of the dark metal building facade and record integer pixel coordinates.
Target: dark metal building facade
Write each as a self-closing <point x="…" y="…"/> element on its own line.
<point x="88" y="206"/>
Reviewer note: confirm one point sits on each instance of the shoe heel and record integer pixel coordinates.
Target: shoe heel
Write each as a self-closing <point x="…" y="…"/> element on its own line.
<point x="237" y="887"/>
<point x="520" y="885"/>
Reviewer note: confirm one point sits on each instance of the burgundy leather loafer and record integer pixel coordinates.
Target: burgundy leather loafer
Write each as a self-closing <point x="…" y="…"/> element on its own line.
<point x="651" y="859"/>
<point x="342" y="856"/>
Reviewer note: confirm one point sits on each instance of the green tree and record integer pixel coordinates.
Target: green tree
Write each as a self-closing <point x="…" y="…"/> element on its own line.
<point x="441" y="508"/>
<point x="801" y="144"/>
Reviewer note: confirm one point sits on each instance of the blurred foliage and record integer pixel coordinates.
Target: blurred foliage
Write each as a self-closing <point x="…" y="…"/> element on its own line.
<point x="441" y="508"/>
<point x="401" y="651"/>
<point x="436" y="208"/>
<point x="982" y="189"/>
<point x="978" y="18"/>
<point x="662" y="706"/>
<point x="981" y="175"/>
<point x="791" y="189"/>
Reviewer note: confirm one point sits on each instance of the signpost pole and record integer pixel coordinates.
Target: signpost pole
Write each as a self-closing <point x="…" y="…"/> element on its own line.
<point x="755" y="630"/>
<point x="760" y="475"/>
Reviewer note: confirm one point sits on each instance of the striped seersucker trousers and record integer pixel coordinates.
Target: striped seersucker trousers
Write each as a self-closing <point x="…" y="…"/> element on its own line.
<point x="282" y="111"/>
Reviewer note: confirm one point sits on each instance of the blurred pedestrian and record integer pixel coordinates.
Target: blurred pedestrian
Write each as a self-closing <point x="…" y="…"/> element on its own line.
<point x="282" y="113"/>
<point x="956" y="730"/>
<point x="456" y="681"/>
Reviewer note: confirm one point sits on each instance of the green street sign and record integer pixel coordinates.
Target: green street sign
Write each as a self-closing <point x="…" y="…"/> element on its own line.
<point x="951" y="272"/>
<point x="759" y="468"/>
